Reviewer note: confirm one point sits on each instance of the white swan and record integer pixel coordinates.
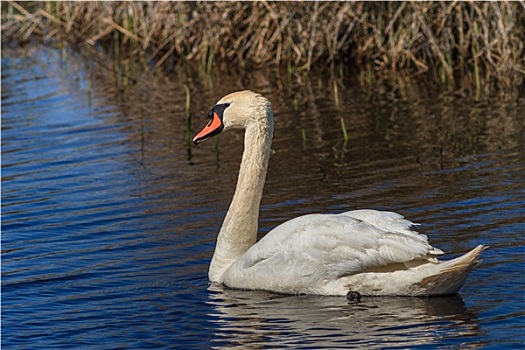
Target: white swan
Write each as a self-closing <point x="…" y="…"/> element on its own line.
<point x="367" y="251"/>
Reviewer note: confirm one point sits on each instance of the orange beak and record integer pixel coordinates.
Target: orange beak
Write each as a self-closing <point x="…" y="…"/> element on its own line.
<point x="214" y="127"/>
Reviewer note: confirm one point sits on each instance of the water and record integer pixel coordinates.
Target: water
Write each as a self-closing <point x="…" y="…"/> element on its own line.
<point x="109" y="220"/>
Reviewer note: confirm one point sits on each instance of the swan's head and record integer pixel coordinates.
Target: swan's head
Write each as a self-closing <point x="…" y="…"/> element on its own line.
<point x="237" y="110"/>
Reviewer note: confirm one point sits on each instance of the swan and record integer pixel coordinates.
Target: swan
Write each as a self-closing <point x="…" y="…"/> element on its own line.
<point x="365" y="251"/>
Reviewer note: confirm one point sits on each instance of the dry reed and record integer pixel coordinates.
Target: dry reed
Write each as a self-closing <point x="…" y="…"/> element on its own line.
<point x="459" y="43"/>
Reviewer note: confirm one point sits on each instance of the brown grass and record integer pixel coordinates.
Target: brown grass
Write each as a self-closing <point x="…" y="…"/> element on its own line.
<point x="459" y="43"/>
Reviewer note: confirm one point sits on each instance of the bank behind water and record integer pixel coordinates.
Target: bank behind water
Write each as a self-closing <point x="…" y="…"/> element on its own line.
<point x="477" y="45"/>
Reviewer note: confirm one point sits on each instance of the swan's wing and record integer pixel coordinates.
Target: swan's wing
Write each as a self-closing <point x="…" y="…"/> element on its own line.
<point x="390" y="222"/>
<point x="333" y="246"/>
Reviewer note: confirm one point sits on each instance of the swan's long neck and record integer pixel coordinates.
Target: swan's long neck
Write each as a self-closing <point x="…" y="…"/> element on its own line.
<point x="239" y="229"/>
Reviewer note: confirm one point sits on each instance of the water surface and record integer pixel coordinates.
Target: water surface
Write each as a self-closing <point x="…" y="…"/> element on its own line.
<point x="109" y="220"/>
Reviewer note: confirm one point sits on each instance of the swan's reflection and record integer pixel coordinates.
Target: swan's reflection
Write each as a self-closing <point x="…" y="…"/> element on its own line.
<point x="261" y="319"/>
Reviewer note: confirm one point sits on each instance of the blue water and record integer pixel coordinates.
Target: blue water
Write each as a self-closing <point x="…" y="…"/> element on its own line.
<point x="109" y="219"/>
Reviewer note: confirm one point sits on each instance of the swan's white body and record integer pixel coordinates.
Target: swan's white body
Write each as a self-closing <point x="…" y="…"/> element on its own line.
<point x="368" y="251"/>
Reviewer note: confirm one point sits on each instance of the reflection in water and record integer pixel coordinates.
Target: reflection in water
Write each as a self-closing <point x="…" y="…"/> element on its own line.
<point x="247" y="318"/>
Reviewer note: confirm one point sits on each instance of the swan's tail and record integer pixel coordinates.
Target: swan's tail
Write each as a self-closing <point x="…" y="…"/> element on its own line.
<point x="449" y="276"/>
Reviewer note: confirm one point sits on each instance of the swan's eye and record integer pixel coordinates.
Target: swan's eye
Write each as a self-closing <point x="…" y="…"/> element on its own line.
<point x="226" y="105"/>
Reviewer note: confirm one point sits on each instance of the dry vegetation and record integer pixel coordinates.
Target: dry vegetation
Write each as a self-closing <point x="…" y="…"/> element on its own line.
<point x="459" y="43"/>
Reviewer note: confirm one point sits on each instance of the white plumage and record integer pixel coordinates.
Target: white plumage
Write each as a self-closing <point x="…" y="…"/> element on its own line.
<point x="368" y="251"/>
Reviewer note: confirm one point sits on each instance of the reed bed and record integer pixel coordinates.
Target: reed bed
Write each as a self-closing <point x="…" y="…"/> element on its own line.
<point x="458" y="43"/>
